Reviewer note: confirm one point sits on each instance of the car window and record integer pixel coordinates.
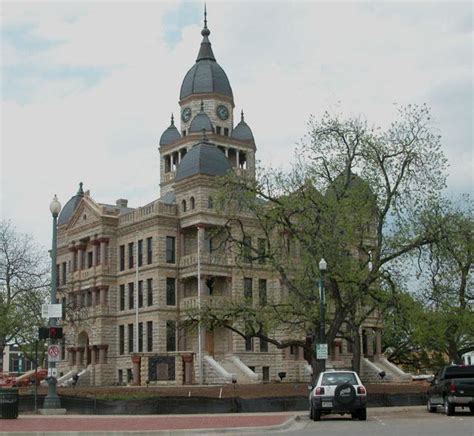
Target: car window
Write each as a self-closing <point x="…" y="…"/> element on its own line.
<point x="338" y="378"/>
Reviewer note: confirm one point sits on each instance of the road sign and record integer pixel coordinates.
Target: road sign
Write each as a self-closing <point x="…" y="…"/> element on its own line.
<point x="321" y="351"/>
<point x="54" y="353"/>
<point x="52" y="310"/>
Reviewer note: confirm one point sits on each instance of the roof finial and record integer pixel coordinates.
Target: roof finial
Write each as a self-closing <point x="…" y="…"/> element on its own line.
<point x="202" y="106"/>
<point x="205" y="31"/>
<point x="242" y="115"/>
<point x="204" y="136"/>
<point x="172" y="119"/>
<point x="80" y="191"/>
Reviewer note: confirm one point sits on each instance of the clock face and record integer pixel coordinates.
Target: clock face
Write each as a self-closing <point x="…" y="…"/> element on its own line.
<point x="222" y="112"/>
<point x="186" y="114"/>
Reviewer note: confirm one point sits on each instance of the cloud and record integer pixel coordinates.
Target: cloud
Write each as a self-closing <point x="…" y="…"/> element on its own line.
<point x="88" y="88"/>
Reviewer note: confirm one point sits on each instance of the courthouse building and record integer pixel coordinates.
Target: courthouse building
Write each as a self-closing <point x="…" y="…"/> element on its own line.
<point x="127" y="275"/>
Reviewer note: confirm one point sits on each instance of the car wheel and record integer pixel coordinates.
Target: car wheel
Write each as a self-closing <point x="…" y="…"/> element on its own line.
<point x="362" y="415"/>
<point x="448" y="408"/>
<point x="430" y="407"/>
<point x="354" y="415"/>
<point x="316" y="415"/>
<point x="471" y="408"/>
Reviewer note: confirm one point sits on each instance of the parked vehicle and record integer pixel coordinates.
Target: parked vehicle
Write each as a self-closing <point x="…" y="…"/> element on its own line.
<point x="452" y="387"/>
<point x="338" y="392"/>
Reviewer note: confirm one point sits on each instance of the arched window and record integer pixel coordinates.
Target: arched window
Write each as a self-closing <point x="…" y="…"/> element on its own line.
<point x="210" y="202"/>
<point x="191" y="200"/>
<point x="183" y="205"/>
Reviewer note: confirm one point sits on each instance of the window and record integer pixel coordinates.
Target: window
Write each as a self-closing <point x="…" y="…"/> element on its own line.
<point x="149" y="292"/>
<point x="140" y="337"/>
<point x="263" y="346"/>
<point x="183" y="205"/>
<point x="226" y="131"/>
<point x="89" y="259"/>
<point x="130" y="338"/>
<point x="97" y="254"/>
<point x="122" y="257"/>
<point x="149" y="336"/>
<point x="121" y="339"/>
<point x="262" y="292"/>
<point x="170" y="336"/>
<point x="64" y="273"/>
<point x="57" y="275"/>
<point x="218" y="130"/>
<point x="129" y="375"/>
<point x="262" y="250"/>
<point x="171" y="291"/>
<point x="130" y="295"/>
<point x="192" y="202"/>
<point x="120" y="376"/>
<point x="248" y="344"/>
<point x="140" y="293"/>
<point x="149" y="251"/>
<point x="247" y="249"/>
<point x="210" y="203"/>
<point x="130" y="255"/>
<point x="265" y="373"/>
<point x="140" y="252"/>
<point x="248" y="288"/>
<point x="170" y="249"/>
<point x="122" y="297"/>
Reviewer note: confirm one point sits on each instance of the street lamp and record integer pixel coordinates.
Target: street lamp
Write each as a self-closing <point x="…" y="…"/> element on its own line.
<point x="323" y="266"/>
<point x="51" y="400"/>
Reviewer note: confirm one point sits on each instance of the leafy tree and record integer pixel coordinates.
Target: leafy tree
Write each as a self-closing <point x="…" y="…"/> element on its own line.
<point x="361" y="224"/>
<point x="24" y="282"/>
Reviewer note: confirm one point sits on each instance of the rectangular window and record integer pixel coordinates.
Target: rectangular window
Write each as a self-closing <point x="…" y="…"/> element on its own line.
<point x="265" y="373"/>
<point x="140" y="337"/>
<point x="262" y="292"/>
<point x="170" y="249"/>
<point x="171" y="291"/>
<point x="149" y="251"/>
<point x="64" y="273"/>
<point x="140" y="293"/>
<point x="129" y="375"/>
<point x="130" y="338"/>
<point x="130" y="295"/>
<point x="248" y="282"/>
<point x="149" y="292"/>
<point x="170" y="335"/>
<point x="247" y="249"/>
<point x="97" y="254"/>
<point x="122" y="257"/>
<point x="122" y="297"/>
<point x="89" y="259"/>
<point x="130" y="255"/>
<point x="248" y="344"/>
<point x="218" y="130"/>
<point x="121" y="339"/>
<point x="263" y="346"/>
<point x="149" y="336"/>
<point x="226" y="131"/>
<point x="262" y="250"/>
<point x="120" y="376"/>
<point x="140" y="252"/>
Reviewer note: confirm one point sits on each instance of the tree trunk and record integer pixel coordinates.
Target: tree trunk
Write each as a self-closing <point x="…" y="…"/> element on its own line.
<point x="454" y="356"/>
<point x="356" y="354"/>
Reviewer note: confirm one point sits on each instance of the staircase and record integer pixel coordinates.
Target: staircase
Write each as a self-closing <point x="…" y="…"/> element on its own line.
<point x="241" y="372"/>
<point x="370" y="372"/>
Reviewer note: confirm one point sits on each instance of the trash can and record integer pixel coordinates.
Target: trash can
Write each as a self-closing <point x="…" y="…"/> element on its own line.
<point x="9" y="403"/>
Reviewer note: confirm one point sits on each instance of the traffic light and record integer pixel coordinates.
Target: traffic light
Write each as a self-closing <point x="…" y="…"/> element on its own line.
<point x="55" y="332"/>
<point x="43" y="333"/>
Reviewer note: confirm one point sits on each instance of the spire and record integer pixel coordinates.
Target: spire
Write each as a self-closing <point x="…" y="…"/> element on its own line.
<point x="242" y="116"/>
<point x="205" y="52"/>
<point x="80" y="191"/>
<point x="172" y="119"/>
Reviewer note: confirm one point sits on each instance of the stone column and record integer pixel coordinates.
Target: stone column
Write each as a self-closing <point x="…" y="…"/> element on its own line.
<point x="94" y="297"/>
<point x="171" y="161"/>
<point x="80" y="257"/>
<point x="378" y="343"/>
<point x="94" y="243"/>
<point x="237" y="159"/>
<point x="226" y="152"/>
<point x="92" y="351"/>
<point x="136" y="370"/>
<point x="79" y="355"/>
<point x="370" y="343"/>
<point x="72" y="251"/>
<point x="102" y="353"/>
<point x="103" y="246"/>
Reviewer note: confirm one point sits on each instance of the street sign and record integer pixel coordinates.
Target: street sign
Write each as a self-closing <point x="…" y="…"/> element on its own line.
<point x="52" y="310"/>
<point x="321" y="351"/>
<point x="54" y="353"/>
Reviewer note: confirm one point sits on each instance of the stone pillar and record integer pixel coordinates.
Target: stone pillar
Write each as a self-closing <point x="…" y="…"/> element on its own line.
<point x="179" y="157"/>
<point x="237" y="159"/>
<point x="80" y="257"/>
<point x="94" y="297"/>
<point x="226" y="152"/>
<point x="378" y="343"/>
<point x="102" y="353"/>
<point x="79" y="355"/>
<point x="95" y="261"/>
<point x="171" y="161"/>
<point x="103" y="247"/>
<point x="370" y="342"/>
<point x="136" y="370"/>
<point x="72" y="251"/>
<point x="92" y="351"/>
<point x="103" y="295"/>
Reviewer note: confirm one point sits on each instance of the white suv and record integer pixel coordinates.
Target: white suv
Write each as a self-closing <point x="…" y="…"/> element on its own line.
<point x="338" y="392"/>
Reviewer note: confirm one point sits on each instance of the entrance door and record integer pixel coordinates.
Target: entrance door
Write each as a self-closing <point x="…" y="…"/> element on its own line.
<point x="210" y="342"/>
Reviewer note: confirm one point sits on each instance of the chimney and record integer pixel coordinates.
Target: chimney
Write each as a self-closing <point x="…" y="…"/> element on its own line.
<point x="122" y="202"/>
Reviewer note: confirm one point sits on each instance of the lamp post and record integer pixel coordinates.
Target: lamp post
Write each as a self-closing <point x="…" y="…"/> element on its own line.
<point x="323" y="266"/>
<point x="51" y="400"/>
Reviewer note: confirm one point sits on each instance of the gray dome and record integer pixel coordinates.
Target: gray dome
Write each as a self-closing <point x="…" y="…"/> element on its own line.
<point x="70" y="207"/>
<point x="201" y="122"/>
<point x="203" y="158"/>
<point x="206" y="75"/>
<point x="242" y="131"/>
<point x="171" y="134"/>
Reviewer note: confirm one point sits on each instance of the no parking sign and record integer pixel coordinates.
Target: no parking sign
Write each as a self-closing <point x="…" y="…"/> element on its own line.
<point x="54" y="353"/>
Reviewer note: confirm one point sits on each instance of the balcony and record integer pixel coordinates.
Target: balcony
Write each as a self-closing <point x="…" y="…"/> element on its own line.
<point x="213" y="302"/>
<point x="218" y="264"/>
<point x="89" y="273"/>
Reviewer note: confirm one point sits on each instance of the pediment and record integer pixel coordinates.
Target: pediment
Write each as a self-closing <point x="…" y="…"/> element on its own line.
<point x="86" y="213"/>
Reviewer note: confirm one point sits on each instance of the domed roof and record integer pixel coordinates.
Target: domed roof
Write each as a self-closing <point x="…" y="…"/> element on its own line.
<point x="242" y="131"/>
<point x="70" y="207"/>
<point x="170" y="135"/>
<point x="206" y="75"/>
<point x="201" y="122"/>
<point x="203" y="158"/>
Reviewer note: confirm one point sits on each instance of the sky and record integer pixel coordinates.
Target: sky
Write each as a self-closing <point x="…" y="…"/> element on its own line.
<point x="87" y="88"/>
